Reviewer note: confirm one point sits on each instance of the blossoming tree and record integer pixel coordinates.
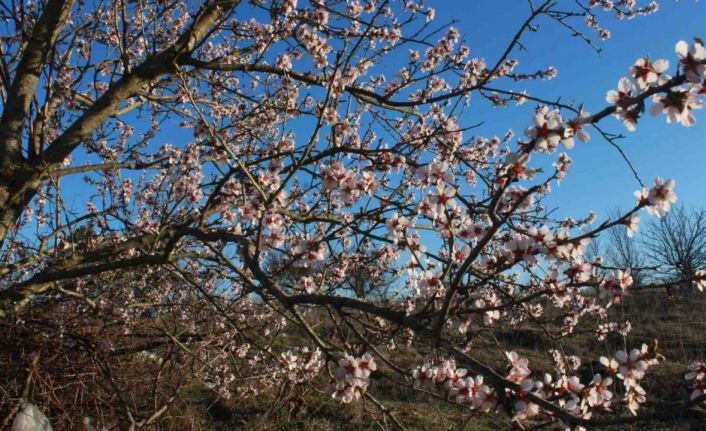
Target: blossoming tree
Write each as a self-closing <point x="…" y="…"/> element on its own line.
<point x="304" y="161"/>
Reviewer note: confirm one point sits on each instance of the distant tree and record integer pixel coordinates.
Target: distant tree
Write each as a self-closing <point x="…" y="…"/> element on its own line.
<point x="623" y="250"/>
<point x="676" y="244"/>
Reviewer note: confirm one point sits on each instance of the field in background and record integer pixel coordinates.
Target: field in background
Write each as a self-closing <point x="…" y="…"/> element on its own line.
<point x="677" y="321"/>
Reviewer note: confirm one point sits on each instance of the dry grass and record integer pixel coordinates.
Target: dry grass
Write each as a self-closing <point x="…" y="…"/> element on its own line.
<point x="677" y="322"/>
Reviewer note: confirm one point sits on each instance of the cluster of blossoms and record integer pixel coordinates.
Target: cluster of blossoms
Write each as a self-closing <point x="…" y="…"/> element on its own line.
<point x="697" y="377"/>
<point x="581" y="399"/>
<point x="429" y="283"/>
<point x="630" y="368"/>
<point x="348" y="184"/>
<point x="657" y="201"/>
<point x="489" y="300"/>
<point x="519" y="372"/>
<point x="677" y="103"/>
<point x="612" y="287"/>
<point x="314" y="44"/>
<point x="397" y="225"/>
<point x="604" y="329"/>
<point x="547" y="131"/>
<point x="352" y="377"/>
<point x="309" y="250"/>
<point x="435" y="54"/>
<point x="301" y="365"/>
<point x="438" y="203"/>
<point x="436" y="173"/>
<point x="227" y="361"/>
<point x="623" y="9"/>
<point x="457" y="386"/>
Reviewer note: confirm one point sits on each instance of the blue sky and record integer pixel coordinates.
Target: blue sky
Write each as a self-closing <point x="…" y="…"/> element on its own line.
<point x="600" y="180"/>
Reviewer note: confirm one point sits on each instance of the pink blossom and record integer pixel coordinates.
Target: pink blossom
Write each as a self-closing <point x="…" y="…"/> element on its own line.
<point x="519" y="367"/>
<point x="625" y="91"/>
<point x="700" y="279"/>
<point x="661" y="197"/>
<point x="646" y="74"/>
<point x="598" y="392"/>
<point x="577" y="127"/>
<point x="678" y="106"/>
<point x="697" y="377"/>
<point x="547" y="131"/>
<point x="632" y="224"/>
<point x="692" y="59"/>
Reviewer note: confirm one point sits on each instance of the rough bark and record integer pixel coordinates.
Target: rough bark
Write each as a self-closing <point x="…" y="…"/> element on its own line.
<point x="20" y="179"/>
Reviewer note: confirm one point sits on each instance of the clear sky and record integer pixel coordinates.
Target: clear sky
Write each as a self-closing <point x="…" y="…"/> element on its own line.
<point x="600" y="180"/>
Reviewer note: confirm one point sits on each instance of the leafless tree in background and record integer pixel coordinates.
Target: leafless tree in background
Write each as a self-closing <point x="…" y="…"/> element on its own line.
<point x="623" y="251"/>
<point x="676" y="244"/>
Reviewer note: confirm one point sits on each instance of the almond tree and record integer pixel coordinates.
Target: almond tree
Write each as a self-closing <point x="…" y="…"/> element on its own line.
<point x="302" y="150"/>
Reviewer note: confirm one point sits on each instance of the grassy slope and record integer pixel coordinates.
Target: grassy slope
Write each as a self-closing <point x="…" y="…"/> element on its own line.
<point x="678" y="322"/>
